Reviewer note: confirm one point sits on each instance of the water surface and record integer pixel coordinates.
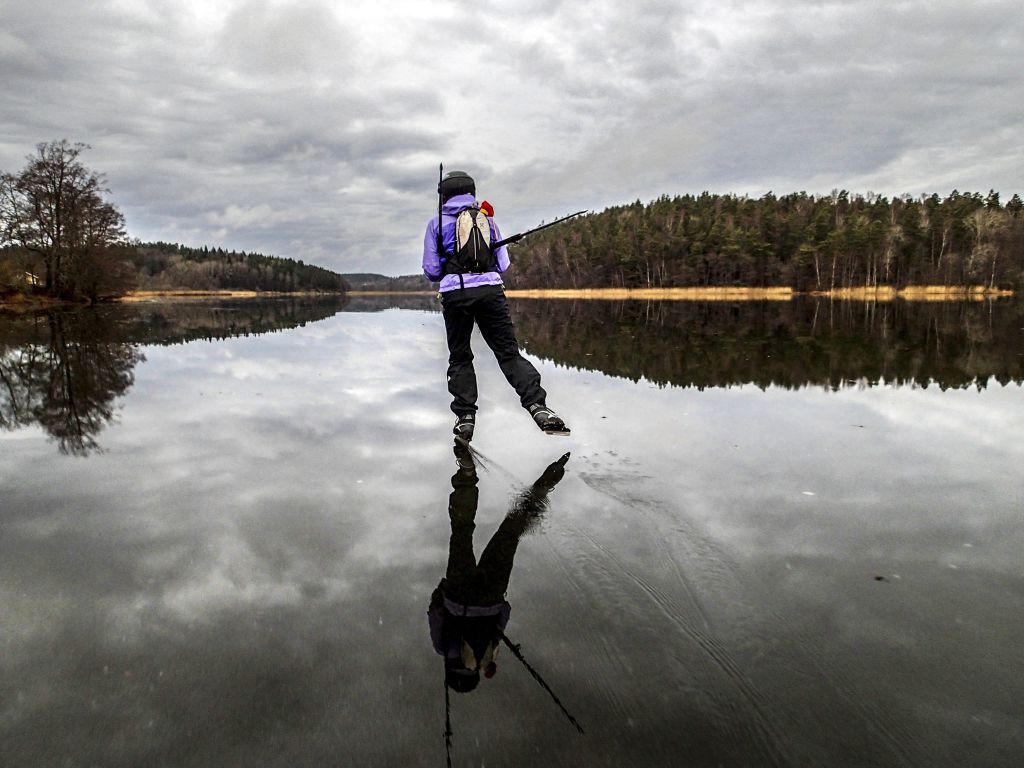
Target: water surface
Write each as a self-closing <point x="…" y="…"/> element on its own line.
<point x="788" y="534"/>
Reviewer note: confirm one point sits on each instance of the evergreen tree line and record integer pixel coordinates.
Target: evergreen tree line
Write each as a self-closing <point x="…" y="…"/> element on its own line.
<point x="167" y="266"/>
<point x="799" y="240"/>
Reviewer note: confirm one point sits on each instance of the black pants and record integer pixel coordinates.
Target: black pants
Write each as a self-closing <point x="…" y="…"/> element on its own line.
<point x="488" y="308"/>
<point x="467" y="580"/>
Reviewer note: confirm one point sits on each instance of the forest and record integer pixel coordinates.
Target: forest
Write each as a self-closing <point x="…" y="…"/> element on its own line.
<point x="809" y="243"/>
<point x="167" y="266"/>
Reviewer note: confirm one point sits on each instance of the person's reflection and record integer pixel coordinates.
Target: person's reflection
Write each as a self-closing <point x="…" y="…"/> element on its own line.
<point x="468" y="611"/>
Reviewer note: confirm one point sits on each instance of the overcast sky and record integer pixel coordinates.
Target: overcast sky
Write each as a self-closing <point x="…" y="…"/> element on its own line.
<point x="314" y="129"/>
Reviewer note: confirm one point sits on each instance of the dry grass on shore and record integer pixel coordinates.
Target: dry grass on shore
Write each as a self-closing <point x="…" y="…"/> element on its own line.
<point x="864" y="293"/>
<point x="136" y="296"/>
<point x="916" y="293"/>
<point x="671" y="294"/>
<point x="20" y="303"/>
<point x="399" y="294"/>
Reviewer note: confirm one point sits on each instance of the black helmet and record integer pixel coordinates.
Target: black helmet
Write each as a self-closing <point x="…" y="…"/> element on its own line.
<point x="456" y="183"/>
<point x="461" y="680"/>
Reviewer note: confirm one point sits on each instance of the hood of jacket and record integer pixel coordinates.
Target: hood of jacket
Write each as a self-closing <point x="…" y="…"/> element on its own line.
<point x="453" y="205"/>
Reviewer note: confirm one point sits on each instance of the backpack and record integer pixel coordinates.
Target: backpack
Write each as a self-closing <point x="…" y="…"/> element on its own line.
<point x="473" y="252"/>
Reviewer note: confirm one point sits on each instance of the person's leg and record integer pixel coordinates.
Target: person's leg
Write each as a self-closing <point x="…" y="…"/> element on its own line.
<point x="495" y="565"/>
<point x="458" y="323"/>
<point x="495" y="323"/>
<point x="461" y="573"/>
<point x="496" y="560"/>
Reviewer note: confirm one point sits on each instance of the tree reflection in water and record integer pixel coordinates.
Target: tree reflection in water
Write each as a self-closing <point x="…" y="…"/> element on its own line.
<point x="65" y="370"/>
<point x="790" y="344"/>
<point x="68" y="382"/>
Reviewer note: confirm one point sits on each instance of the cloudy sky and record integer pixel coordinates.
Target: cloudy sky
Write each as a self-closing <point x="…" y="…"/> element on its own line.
<point x="314" y="129"/>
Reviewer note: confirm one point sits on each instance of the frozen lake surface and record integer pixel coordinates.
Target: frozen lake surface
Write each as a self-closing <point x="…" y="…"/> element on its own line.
<point x="787" y="535"/>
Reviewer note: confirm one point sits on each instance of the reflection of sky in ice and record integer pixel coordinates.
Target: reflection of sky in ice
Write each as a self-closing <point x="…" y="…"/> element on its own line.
<point x="283" y="493"/>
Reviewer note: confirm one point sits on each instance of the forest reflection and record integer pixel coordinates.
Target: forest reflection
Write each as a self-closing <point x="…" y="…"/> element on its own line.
<point x="63" y="371"/>
<point x="791" y="344"/>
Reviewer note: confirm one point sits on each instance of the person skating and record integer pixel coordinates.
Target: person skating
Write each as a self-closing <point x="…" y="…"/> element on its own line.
<point x="457" y="251"/>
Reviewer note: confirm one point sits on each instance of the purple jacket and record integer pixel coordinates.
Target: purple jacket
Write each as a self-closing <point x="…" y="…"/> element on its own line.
<point x="432" y="264"/>
<point x="437" y="614"/>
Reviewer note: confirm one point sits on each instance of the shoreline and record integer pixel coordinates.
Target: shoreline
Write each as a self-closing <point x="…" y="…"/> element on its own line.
<point x="20" y="303"/>
<point x="779" y="293"/>
<point x="391" y="293"/>
<point x="917" y="293"/>
<point x="185" y="293"/>
<point x="668" y="294"/>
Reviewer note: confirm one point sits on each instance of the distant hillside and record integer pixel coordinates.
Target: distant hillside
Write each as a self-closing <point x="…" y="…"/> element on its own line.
<point x="366" y="281"/>
<point x="168" y="266"/>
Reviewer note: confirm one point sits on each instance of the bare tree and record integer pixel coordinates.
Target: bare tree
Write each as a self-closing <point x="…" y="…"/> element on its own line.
<point x="55" y="209"/>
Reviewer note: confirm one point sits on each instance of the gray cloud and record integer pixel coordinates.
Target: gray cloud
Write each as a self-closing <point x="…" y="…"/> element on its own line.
<point x="304" y="130"/>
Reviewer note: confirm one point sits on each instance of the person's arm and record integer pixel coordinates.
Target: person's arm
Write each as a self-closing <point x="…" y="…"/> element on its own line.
<point x="436" y="621"/>
<point x="500" y="255"/>
<point x="435" y="617"/>
<point x="432" y="266"/>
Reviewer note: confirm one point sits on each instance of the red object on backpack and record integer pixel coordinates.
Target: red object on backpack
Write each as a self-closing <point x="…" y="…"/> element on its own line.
<point x="487" y="208"/>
